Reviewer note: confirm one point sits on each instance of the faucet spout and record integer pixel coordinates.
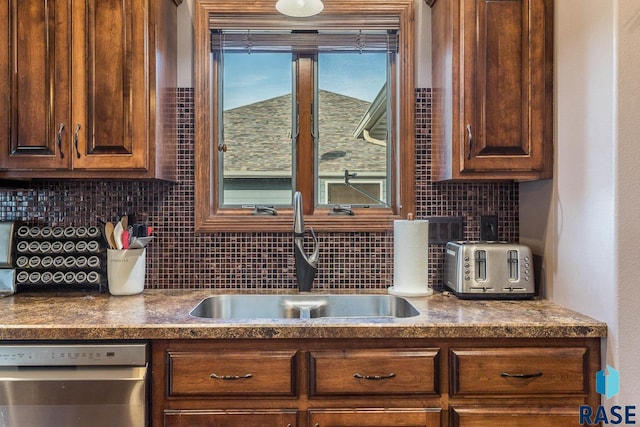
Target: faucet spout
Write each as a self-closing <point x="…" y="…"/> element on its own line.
<point x="306" y="265"/>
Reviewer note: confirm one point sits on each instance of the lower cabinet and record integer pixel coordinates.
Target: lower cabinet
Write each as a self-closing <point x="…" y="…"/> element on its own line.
<point x="513" y="417"/>
<point x="519" y="371"/>
<point x="374" y="417"/>
<point x="226" y="373"/>
<point x="242" y="418"/>
<point x="373" y="382"/>
<point x="317" y="418"/>
<point x="373" y="372"/>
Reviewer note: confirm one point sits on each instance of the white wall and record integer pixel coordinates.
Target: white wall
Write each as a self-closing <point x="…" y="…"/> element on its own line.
<point x="185" y="44"/>
<point x="585" y="220"/>
<point x="423" y="44"/>
<point x="628" y="197"/>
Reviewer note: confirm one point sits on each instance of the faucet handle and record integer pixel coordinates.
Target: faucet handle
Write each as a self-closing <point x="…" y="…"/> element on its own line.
<point x="313" y="258"/>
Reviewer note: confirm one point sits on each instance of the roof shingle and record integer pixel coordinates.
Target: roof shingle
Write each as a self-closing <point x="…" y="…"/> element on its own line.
<point x="259" y="142"/>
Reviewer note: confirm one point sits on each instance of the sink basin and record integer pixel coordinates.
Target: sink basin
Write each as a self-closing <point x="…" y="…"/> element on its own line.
<point x="302" y="306"/>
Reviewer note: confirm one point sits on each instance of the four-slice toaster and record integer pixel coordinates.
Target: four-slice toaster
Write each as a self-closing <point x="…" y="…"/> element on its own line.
<point x="489" y="270"/>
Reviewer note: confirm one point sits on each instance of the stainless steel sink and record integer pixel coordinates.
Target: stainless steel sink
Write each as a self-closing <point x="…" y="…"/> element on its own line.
<point x="303" y="306"/>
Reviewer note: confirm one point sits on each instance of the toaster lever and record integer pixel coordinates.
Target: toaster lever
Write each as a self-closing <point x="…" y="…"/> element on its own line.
<point x="482" y="288"/>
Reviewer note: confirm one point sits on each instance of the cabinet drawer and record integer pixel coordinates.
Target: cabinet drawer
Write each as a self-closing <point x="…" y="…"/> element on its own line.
<point x="514" y="417"/>
<point x="519" y="371"/>
<point x="373" y="372"/>
<point x="231" y="418"/>
<point x="363" y="417"/>
<point x="225" y="373"/>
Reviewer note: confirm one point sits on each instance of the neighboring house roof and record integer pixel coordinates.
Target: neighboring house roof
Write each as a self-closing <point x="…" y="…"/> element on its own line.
<point x="259" y="143"/>
<point x="373" y="125"/>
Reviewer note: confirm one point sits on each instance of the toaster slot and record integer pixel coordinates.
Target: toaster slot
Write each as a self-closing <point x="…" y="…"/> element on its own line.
<point x="512" y="261"/>
<point x="481" y="265"/>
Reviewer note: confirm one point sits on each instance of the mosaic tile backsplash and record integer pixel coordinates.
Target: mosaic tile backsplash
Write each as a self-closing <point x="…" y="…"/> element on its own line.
<point x="179" y="258"/>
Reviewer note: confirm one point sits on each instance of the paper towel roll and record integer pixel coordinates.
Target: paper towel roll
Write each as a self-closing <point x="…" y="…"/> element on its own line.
<point x="410" y="258"/>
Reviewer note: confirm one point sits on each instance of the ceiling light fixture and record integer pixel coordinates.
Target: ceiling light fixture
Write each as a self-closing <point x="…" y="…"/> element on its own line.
<point x="299" y="8"/>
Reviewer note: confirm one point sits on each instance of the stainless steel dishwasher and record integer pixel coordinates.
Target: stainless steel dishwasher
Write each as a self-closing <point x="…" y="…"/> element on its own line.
<point x="70" y="385"/>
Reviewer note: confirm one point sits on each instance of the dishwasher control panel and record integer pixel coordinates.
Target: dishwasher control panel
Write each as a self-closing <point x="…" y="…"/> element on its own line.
<point x="73" y="354"/>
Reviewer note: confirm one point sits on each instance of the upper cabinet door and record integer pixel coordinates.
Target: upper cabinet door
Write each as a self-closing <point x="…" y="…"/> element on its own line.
<point x="110" y="86"/>
<point x="493" y="85"/>
<point x="34" y="84"/>
<point x="504" y="85"/>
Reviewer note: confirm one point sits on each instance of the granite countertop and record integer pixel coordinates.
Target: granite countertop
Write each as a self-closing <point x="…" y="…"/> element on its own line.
<point x="164" y="314"/>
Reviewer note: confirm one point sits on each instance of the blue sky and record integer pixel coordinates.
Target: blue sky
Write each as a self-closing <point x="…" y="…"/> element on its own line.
<point x="255" y="77"/>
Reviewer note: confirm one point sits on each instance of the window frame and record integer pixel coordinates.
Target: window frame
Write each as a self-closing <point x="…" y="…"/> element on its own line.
<point x="211" y="218"/>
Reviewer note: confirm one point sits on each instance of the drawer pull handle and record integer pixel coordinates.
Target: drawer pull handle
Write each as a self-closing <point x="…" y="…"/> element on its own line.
<point x="373" y="377"/>
<point x="230" y="377"/>
<point x="508" y="375"/>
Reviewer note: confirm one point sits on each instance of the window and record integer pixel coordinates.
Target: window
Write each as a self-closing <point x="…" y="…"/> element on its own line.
<point x="267" y="78"/>
<point x="255" y="166"/>
<point x="323" y="106"/>
<point x="352" y="141"/>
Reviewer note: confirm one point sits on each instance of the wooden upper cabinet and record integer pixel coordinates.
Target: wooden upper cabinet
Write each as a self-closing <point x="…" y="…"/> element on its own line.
<point x="35" y="87"/>
<point x="91" y="89"/>
<point x="493" y="97"/>
<point x="112" y="98"/>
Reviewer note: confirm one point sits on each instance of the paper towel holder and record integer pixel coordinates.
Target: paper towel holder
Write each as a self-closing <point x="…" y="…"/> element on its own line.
<point x="410" y="288"/>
